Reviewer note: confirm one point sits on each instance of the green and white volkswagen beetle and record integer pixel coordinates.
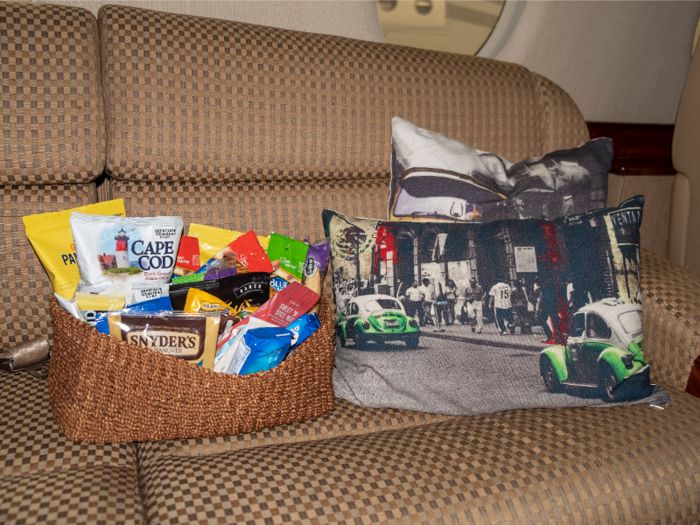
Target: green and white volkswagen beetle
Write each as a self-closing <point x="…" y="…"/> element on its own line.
<point x="376" y="318"/>
<point x="603" y="352"/>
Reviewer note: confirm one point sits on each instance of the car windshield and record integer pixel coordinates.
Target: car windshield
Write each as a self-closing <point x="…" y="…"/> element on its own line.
<point x="631" y="322"/>
<point x="382" y="304"/>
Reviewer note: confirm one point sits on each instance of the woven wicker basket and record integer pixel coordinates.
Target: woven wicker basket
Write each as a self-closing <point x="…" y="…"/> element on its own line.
<point x="106" y="391"/>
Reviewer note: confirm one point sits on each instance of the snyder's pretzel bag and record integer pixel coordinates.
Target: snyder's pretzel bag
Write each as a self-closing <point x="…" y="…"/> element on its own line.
<point x="190" y="337"/>
<point x="51" y="237"/>
<point x="142" y="250"/>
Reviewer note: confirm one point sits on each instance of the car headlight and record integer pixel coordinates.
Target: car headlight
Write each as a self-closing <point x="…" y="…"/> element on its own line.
<point x="413" y="323"/>
<point x="366" y="325"/>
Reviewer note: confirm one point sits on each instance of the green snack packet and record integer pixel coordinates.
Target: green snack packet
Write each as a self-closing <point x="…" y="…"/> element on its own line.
<point x="289" y="252"/>
<point x="190" y="278"/>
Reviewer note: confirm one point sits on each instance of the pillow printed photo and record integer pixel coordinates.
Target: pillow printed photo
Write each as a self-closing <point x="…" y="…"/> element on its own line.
<point x="437" y="178"/>
<point x="464" y="318"/>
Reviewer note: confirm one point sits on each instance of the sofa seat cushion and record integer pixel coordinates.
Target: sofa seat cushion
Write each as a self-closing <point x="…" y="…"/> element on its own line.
<point x="581" y="465"/>
<point x="45" y="477"/>
<point x="25" y="288"/>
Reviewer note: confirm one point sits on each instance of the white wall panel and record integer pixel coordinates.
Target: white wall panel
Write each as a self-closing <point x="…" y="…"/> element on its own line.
<point x="620" y="61"/>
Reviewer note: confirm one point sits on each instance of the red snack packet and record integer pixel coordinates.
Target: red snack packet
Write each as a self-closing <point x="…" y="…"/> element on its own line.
<point x="250" y="253"/>
<point x="288" y="305"/>
<point x="188" y="253"/>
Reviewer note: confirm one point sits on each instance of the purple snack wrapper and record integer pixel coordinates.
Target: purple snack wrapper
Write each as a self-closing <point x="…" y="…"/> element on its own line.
<point x="320" y="253"/>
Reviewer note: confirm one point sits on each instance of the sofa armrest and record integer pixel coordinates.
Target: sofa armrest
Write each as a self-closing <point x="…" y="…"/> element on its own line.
<point x="671" y="308"/>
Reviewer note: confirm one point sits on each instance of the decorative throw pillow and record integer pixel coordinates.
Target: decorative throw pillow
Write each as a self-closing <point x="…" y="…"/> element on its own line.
<point x="434" y="177"/>
<point x="471" y="318"/>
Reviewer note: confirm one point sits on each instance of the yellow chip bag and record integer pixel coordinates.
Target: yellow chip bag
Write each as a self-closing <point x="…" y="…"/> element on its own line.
<point x="52" y="239"/>
<point x="213" y="240"/>
<point x="201" y="301"/>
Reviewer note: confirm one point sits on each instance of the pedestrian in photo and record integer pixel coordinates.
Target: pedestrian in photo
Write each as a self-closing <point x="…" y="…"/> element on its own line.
<point x="502" y="307"/>
<point x="428" y="301"/>
<point x="441" y="308"/>
<point x="474" y="301"/>
<point x="414" y="302"/>
<point x="519" y="301"/>
<point x="451" y="294"/>
<point x="541" y="316"/>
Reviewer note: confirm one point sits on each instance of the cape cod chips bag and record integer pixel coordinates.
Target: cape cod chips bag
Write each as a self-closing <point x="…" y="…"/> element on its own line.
<point x="142" y="250"/>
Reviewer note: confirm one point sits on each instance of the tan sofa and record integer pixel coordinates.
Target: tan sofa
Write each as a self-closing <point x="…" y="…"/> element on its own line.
<point x="244" y="126"/>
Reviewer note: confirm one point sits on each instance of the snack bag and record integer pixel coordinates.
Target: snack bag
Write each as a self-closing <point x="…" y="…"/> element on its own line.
<point x="141" y="250"/>
<point x="315" y="267"/>
<point x="157" y="305"/>
<point x="289" y="252"/>
<point x="280" y="279"/>
<point x="287" y="306"/>
<point x="224" y="266"/>
<point x="191" y="278"/>
<point x="190" y="337"/>
<point x="187" y="256"/>
<point x="201" y="301"/>
<point x="125" y="290"/>
<point x="213" y="240"/>
<point x="261" y="349"/>
<point x="303" y="328"/>
<point x="238" y="292"/>
<point x="91" y="305"/>
<point x="250" y="253"/>
<point x="52" y="239"/>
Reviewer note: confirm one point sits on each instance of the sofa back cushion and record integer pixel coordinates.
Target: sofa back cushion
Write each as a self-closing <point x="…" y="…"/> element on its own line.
<point x="298" y="121"/>
<point x="53" y="144"/>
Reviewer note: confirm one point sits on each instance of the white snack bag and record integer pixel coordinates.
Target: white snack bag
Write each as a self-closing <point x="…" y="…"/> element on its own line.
<point x="140" y="250"/>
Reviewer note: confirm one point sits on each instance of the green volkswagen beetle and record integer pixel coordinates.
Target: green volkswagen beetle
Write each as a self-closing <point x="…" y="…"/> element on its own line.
<point x="376" y="318"/>
<point x="603" y="352"/>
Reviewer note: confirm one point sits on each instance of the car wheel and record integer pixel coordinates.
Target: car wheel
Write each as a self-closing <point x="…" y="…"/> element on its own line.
<point x="607" y="379"/>
<point x="549" y="375"/>
<point x="343" y="341"/>
<point x="412" y="342"/>
<point x="360" y="341"/>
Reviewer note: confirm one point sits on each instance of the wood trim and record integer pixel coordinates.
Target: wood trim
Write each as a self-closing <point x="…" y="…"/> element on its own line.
<point x="638" y="149"/>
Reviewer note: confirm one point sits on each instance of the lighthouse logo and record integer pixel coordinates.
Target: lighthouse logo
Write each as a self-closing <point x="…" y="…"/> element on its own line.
<point x="122" y="249"/>
<point x="114" y="253"/>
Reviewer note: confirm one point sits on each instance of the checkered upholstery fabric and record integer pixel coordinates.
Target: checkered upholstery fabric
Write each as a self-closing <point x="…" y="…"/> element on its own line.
<point x="25" y="288"/>
<point x="209" y="100"/>
<point x="610" y="465"/>
<point x="45" y="478"/>
<point x="561" y="124"/>
<point x="671" y="319"/>
<point x="51" y="104"/>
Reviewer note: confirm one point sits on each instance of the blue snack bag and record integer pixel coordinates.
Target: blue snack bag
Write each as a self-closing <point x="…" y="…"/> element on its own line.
<point x="302" y="329"/>
<point x="263" y="349"/>
<point x="159" y="304"/>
